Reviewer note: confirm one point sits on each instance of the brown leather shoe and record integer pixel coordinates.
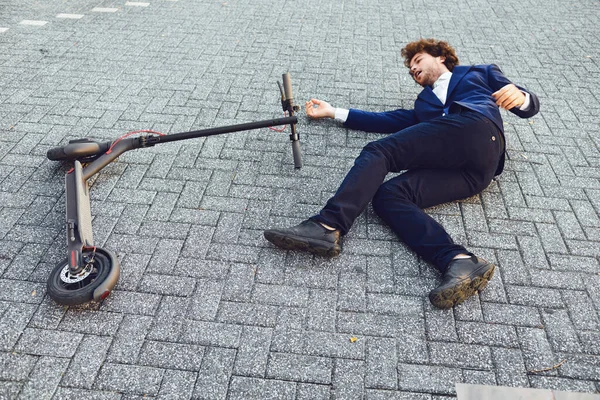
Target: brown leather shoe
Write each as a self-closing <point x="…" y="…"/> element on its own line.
<point x="463" y="279"/>
<point x="308" y="236"/>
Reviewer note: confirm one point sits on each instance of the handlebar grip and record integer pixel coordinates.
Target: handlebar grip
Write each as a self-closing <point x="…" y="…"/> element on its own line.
<point x="297" y="154"/>
<point x="81" y="149"/>
<point x="287" y="87"/>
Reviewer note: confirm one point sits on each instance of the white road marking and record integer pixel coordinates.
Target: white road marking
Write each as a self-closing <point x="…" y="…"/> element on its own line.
<point x="70" y="16"/>
<point x="2" y="30"/>
<point x="104" y="10"/>
<point x="33" y="23"/>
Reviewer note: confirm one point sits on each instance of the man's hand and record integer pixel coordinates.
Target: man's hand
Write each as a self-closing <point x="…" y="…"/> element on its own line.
<point x="319" y="109"/>
<point x="509" y="97"/>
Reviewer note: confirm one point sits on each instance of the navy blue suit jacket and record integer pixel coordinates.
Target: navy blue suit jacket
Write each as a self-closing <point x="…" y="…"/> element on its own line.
<point x="470" y="87"/>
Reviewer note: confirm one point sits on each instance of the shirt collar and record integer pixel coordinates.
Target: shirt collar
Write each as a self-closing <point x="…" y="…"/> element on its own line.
<point x="443" y="78"/>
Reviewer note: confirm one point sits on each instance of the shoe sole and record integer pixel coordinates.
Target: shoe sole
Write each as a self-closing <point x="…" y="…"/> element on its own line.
<point x="453" y="296"/>
<point x="290" y="242"/>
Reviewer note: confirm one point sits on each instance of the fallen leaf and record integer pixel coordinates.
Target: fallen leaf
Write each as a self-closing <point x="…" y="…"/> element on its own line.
<point x="33" y="293"/>
<point x="353" y="339"/>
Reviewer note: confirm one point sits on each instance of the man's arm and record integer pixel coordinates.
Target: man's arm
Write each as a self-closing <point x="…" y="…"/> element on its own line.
<point x="378" y="122"/>
<point x="510" y="96"/>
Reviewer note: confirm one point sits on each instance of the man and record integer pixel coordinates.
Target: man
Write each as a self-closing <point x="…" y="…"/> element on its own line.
<point x="451" y="146"/>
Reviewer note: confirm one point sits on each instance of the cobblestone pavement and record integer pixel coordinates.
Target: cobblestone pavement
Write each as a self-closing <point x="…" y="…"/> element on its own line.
<point x="205" y="307"/>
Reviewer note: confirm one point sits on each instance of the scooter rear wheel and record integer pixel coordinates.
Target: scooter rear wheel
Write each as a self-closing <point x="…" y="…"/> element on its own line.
<point x="72" y="289"/>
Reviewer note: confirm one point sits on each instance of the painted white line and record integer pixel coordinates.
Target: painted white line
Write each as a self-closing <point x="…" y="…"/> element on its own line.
<point x="104" y="10"/>
<point x="34" y="23"/>
<point x="2" y="30"/>
<point x="70" y="16"/>
<point x="137" y="4"/>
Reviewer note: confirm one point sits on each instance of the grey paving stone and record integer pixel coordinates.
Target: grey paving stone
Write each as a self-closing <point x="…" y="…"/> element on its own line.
<point x="16" y="367"/>
<point x="288" y="296"/>
<point x="309" y="277"/>
<point x="48" y="342"/>
<point x="333" y="345"/>
<point x="582" y="310"/>
<point x="10" y="390"/>
<point x="562" y="384"/>
<point x="95" y="323"/>
<point x="239" y="283"/>
<point x="167" y="285"/>
<point x="487" y="334"/>
<point x="211" y="334"/>
<point x="127" y="302"/>
<point x="131" y="379"/>
<point x="255" y="388"/>
<point x="171" y="355"/>
<point x="351" y="292"/>
<point x="441" y="379"/>
<point x="300" y="368"/>
<point x="215" y="374"/>
<point x="321" y="314"/>
<point x="129" y="339"/>
<point x="253" y="353"/>
<point x="247" y="314"/>
<point x="44" y="378"/>
<point x="537" y="352"/>
<point x="381" y="364"/>
<point x="368" y="324"/>
<point x="510" y="367"/>
<point x="13" y="322"/>
<point x="511" y="314"/>
<point x="87" y="361"/>
<point x="306" y="391"/>
<point x="461" y="355"/>
<point x="348" y="379"/>
<point x="19" y="291"/>
<point x="441" y="325"/>
<point x="536" y="297"/>
<point x="375" y="394"/>
<point x="177" y="384"/>
<point x="380" y="275"/>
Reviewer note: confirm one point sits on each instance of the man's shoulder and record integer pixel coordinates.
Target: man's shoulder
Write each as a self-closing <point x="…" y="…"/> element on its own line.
<point x="475" y="67"/>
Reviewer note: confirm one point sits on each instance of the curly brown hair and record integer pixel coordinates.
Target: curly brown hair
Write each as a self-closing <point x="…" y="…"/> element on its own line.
<point x="434" y="48"/>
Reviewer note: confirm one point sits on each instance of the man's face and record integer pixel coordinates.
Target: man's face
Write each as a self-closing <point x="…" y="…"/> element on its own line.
<point x="426" y="69"/>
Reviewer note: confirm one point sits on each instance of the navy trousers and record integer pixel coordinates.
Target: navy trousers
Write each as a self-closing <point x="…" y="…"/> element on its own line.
<point x="445" y="159"/>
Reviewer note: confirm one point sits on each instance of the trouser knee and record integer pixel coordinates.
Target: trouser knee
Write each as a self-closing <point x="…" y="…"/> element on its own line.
<point x="386" y="194"/>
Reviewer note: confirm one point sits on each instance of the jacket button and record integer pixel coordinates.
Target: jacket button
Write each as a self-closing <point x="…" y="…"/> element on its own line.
<point x="443" y="114"/>
<point x="493" y="138"/>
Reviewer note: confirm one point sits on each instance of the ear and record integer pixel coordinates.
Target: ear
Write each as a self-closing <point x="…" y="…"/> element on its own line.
<point x="443" y="59"/>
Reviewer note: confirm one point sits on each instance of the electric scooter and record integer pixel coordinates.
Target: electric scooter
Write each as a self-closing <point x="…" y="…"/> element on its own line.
<point x="89" y="273"/>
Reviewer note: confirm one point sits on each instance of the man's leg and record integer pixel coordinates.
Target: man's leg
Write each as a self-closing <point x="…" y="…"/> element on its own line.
<point x="399" y="203"/>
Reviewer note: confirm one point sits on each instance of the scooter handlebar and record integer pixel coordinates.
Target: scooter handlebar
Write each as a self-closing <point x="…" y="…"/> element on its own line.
<point x="80" y="149"/>
<point x="289" y="98"/>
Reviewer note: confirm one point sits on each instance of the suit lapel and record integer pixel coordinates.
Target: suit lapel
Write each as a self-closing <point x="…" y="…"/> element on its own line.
<point x="457" y="74"/>
<point x="430" y="97"/>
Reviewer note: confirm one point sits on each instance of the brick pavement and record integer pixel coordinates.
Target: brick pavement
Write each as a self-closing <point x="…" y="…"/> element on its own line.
<point x="205" y="308"/>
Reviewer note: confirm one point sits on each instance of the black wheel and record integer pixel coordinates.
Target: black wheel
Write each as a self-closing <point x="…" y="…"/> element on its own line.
<point x="65" y="288"/>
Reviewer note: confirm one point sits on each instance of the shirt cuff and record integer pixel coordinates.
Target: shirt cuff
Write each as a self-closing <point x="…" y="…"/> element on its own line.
<point x="341" y="114"/>
<point x="526" y="103"/>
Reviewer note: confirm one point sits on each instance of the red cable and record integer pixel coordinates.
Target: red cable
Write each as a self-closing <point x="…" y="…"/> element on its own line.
<point x="129" y="134"/>
<point x="282" y="129"/>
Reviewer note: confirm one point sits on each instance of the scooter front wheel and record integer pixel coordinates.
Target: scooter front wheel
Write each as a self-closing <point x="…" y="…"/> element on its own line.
<point x="93" y="283"/>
